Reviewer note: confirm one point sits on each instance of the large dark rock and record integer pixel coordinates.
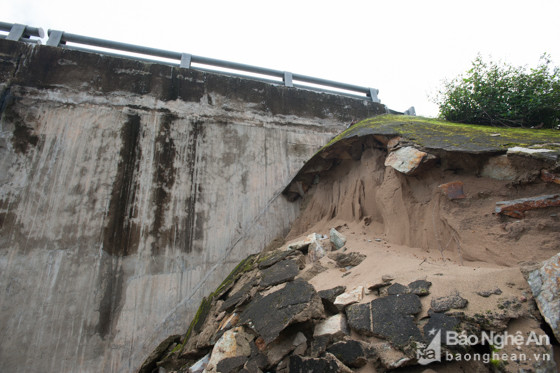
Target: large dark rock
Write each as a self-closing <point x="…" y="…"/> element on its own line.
<point x="351" y="353"/>
<point x="440" y="322"/>
<point x="328" y="297"/>
<point x="327" y="364"/>
<point x="274" y="257"/>
<point x="331" y="294"/>
<point x="420" y="287"/>
<point x="239" y="297"/>
<point x="388" y="317"/>
<point x="318" y="345"/>
<point x="295" y="302"/>
<point x="397" y="289"/>
<point x="231" y="364"/>
<point x="280" y="272"/>
<point x="443" y="304"/>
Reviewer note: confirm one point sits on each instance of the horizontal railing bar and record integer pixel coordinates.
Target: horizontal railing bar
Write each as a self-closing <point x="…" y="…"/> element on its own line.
<point x="237" y="66"/>
<point x="330" y="83"/>
<point x="102" y="43"/>
<point x="29" y="31"/>
<point x="118" y="55"/>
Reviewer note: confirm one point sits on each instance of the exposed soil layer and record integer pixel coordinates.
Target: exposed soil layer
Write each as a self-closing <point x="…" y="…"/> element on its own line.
<point x="378" y="201"/>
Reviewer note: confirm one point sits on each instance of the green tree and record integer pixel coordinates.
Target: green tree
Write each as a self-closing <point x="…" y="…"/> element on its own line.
<point x="493" y="93"/>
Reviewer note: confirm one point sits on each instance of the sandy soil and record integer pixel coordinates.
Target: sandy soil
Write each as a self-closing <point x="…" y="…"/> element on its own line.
<point x="410" y="230"/>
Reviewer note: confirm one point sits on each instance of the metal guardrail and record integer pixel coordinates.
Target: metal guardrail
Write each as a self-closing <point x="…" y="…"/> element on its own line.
<point x="19" y="32"/>
<point x="58" y="38"/>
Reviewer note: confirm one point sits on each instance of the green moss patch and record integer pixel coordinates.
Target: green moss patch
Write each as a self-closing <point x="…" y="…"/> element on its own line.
<point x="196" y="324"/>
<point x="437" y="134"/>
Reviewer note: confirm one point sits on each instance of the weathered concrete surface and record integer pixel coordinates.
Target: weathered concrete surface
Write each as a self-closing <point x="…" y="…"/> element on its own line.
<point x="129" y="190"/>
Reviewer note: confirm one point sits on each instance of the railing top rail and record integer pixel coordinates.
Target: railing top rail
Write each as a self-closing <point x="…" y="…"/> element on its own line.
<point x="58" y="38"/>
<point x="19" y="32"/>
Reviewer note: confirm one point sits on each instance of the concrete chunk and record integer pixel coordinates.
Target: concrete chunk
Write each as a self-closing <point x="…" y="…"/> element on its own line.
<point x="337" y="238"/>
<point x="443" y="304"/>
<point x="346" y="299"/>
<point x="235" y="343"/>
<point x="407" y="160"/>
<point x="334" y="326"/>
<point x="295" y="302"/>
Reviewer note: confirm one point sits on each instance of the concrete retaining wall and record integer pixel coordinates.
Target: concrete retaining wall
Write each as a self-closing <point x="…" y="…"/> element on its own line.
<point x="129" y="190"/>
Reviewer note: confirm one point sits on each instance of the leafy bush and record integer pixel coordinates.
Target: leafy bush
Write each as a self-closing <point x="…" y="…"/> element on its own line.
<point x="502" y="94"/>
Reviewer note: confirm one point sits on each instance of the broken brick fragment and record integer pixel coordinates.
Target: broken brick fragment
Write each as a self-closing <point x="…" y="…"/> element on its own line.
<point x="516" y="208"/>
<point x="453" y="190"/>
<point x="549" y="177"/>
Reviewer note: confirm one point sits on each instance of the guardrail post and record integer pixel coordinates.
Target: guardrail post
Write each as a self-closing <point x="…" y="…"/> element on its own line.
<point x="410" y="111"/>
<point x="16" y="32"/>
<point x="288" y="79"/>
<point x="55" y="38"/>
<point x="373" y="94"/>
<point x="186" y="60"/>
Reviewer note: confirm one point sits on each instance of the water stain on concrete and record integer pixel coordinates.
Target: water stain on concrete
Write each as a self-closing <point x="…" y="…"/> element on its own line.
<point x="163" y="180"/>
<point x="121" y="236"/>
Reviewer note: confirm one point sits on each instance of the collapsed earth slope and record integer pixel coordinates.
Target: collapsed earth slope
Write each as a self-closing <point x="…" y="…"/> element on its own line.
<point x="408" y="226"/>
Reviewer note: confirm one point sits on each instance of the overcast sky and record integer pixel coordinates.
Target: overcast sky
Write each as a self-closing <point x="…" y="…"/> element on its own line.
<point x="403" y="48"/>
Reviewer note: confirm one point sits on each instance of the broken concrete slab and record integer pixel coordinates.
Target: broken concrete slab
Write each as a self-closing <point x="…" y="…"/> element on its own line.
<point x="453" y="190"/>
<point x="351" y="353"/>
<point x="337" y="238"/>
<point x="378" y="285"/>
<point x="281" y="272"/>
<point x="440" y="322"/>
<point x="397" y="288"/>
<point x="318" y="345"/>
<point x="271" y="258"/>
<point x="328" y="297"/>
<point x="389" y="317"/>
<point x="420" y="287"/>
<point x="545" y="286"/>
<point x="516" y="208"/>
<point x="407" y="160"/>
<point x="326" y="364"/>
<point x="335" y="326"/>
<point x="240" y="296"/>
<point x="389" y="357"/>
<point x="331" y="294"/>
<point x="279" y="349"/>
<point x="345" y="299"/>
<point x="234" y="343"/>
<point x="344" y="260"/>
<point x="295" y="302"/>
<point x="230" y="364"/>
<point x="444" y="304"/>
<point x="304" y="244"/>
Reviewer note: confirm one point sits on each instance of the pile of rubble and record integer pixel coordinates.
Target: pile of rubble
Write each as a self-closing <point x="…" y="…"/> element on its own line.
<point x="268" y="317"/>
